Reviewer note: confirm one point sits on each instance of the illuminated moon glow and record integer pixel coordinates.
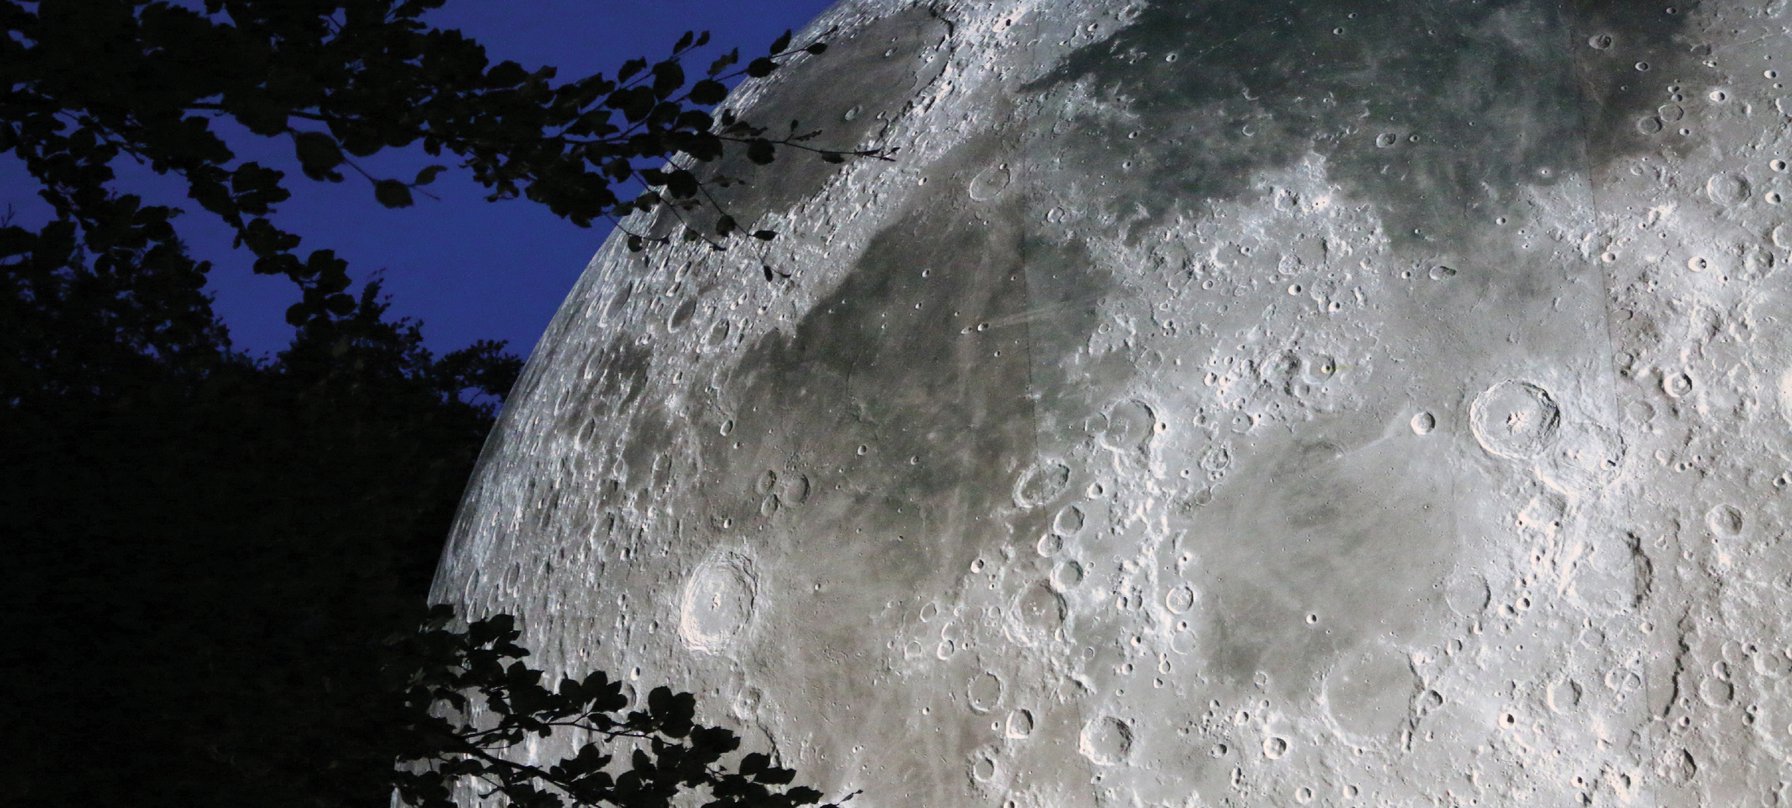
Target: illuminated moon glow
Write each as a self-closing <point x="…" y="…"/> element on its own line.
<point x="1236" y="402"/>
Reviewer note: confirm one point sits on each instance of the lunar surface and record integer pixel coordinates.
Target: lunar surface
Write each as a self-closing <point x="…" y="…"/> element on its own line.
<point x="1218" y="402"/>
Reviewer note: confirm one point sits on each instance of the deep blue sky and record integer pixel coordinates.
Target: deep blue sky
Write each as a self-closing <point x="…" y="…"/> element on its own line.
<point x="467" y="268"/>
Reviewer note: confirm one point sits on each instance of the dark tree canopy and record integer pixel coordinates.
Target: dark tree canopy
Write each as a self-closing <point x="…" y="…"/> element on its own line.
<point x="668" y="753"/>
<point x="202" y="560"/>
<point x="90" y="82"/>
<point x="209" y="554"/>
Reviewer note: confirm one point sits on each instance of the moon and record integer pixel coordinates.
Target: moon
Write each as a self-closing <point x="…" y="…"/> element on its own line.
<point x="1243" y="402"/>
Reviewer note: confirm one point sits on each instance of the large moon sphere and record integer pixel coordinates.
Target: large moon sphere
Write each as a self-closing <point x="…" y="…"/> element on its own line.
<point x="1220" y="402"/>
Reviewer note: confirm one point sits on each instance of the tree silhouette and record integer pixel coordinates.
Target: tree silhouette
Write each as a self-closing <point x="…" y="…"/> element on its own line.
<point x="206" y="551"/>
<point x="668" y="753"/>
<point x="92" y="82"/>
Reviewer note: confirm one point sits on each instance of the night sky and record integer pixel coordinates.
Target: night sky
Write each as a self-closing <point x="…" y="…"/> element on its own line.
<point x="467" y="268"/>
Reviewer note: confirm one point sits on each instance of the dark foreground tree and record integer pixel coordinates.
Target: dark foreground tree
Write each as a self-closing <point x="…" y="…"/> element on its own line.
<point x="202" y="556"/>
<point x="647" y="756"/>
<point x="207" y="570"/>
<point x="205" y="551"/>
<point x="91" y="82"/>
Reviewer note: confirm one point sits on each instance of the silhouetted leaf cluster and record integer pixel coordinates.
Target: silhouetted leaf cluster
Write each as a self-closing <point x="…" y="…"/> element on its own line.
<point x="207" y="552"/>
<point x="644" y="757"/>
<point x="91" y="82"/>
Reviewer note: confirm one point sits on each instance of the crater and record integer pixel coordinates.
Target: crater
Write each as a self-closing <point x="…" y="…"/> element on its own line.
<point x="984" y="693"/>
<point x="1036" y="615"/>
<point x="1041" y="483"/>
<point x="1515" y="420"/>
<point x="1128" y="426"/>
<point x="1106" y="741"/>
<point x="718" y="603"/>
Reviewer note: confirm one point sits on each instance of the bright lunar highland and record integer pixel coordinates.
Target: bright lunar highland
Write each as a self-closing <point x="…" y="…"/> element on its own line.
<point x="1216" y="402"/>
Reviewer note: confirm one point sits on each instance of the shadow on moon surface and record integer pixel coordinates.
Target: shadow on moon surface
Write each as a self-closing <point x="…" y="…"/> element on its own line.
<point x="1437" y="113"/>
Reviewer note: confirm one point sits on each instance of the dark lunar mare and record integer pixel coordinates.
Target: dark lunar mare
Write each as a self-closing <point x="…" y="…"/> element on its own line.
<point x="924" y="351"/>
<point x="925" y="354"/>
<point x="1437" y="113"/>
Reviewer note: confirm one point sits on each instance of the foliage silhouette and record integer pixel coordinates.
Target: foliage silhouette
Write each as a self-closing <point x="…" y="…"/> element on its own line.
<point x="667" y="753"/>
<point x="91" y="82"/>
<point x="208" y="551"/>
<point x="204" y="554"/>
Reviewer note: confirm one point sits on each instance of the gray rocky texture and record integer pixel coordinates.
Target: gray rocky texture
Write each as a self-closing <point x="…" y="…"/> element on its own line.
<point x="1239" y="402"/>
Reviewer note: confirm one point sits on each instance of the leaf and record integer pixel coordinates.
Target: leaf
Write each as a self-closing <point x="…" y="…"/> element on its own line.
<point x="682" y="184"/>
<point x="635" y="102"/>
<point x="832" y="157"/>
<point x="253" y="176"/>
<point x="761" y="67"/>
<point x="392" y="193"/>
<point x="725" y="225"/>
<point x="724" y="62"/>
<point x="782" y="43"/>
<point x="324" y="264"/>
<point x="506" y="74"/>
<point x="667" y="78"/>
<point x="279" y="264"/>
<point x="695" y="121"/>
<point x="704" y="148"/>
<point x="630" y="68"/>
<point x="684" y="41"/>
<point x="817" y="49"/>
<point x="660" y="700"/>
<point x="708" y="91"/>
<point x="761" y="151"/>
<point x="260" y="114"/>
<point x="318" y="154"/>
<point x="429" y="174"/>
<point x="776" y="776"/>
<point x="713" y="741"/>
<point x="765" y="235"/>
